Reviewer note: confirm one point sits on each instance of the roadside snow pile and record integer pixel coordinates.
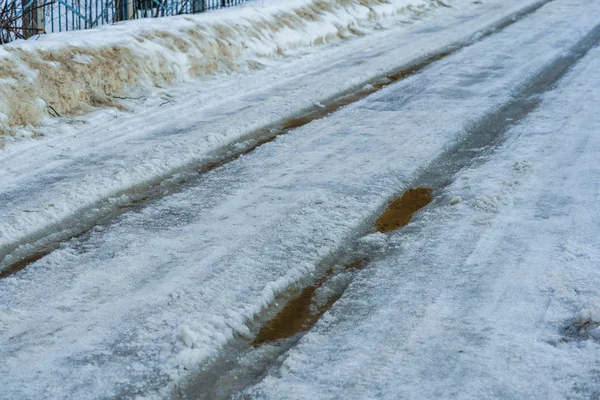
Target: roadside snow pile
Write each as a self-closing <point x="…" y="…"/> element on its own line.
<point x="65" y="74"/>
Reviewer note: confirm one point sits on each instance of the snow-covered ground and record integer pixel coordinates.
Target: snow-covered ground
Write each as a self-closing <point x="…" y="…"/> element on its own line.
<point x="497" y="297"/>
<point x="473" y="301"/>
<point x="61" y="183"/>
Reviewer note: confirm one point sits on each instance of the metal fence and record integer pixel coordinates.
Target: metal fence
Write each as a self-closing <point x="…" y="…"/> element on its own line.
<point x="26" y="18"/>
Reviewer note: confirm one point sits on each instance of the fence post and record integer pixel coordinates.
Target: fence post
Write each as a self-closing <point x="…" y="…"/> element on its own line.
<point x="33" y="18"/>
<point x="124" y="10"/>
<point x="198" y="6"/>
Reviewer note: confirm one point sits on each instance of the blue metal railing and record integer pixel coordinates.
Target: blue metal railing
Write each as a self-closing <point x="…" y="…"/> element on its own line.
<point x="26" y="18"/>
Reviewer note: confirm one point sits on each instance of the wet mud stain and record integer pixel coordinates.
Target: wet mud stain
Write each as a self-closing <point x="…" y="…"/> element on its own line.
<point x="298" y="315"/>
<point x="400" y="211"/>
<point x="302" y="312"/>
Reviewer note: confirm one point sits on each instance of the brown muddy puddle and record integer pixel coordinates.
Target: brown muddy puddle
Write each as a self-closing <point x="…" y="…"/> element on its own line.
<point x="298" y="315"/>
<point x="302" y="312"/>
<point x="400" y="211"/>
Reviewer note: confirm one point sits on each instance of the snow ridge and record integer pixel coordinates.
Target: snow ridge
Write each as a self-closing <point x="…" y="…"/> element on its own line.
<point x="66" y="74"/>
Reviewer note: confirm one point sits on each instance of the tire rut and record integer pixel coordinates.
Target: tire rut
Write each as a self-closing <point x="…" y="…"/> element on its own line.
<point x="20" y="255"/>
<point x="245" y="361"/>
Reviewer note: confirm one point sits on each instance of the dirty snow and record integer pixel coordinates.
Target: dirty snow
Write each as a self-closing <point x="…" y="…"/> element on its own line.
<point x="46" y="77"/>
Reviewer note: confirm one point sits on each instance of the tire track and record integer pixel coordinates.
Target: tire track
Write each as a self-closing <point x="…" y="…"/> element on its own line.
<point x="280" y="327"/>
<point x="18" y="256"/>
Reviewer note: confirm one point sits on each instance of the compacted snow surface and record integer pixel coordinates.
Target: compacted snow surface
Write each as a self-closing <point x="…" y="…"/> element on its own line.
<point x="491" y="291"/>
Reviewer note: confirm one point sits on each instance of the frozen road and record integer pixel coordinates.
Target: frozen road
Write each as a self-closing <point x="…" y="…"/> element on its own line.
<point x="491" y="291"/>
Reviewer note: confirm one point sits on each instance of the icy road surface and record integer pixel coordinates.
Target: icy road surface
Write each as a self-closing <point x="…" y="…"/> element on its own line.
<point x="61" y="184"/>
<point x="494" y="297"/>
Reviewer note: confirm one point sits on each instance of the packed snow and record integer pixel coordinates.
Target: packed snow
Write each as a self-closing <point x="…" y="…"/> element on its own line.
<point x="473" y="301"/>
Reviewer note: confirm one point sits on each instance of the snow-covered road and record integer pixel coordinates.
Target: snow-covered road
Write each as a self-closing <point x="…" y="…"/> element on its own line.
<point x="61" y="185"/>
<point x="495" y="296"/>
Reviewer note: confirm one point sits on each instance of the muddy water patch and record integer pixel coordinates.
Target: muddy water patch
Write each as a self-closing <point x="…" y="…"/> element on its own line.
<point x="400" y="211"/>
<point x="303" y="311"/>
<point x="247" y="359"/>
<point x="298" y="315"/>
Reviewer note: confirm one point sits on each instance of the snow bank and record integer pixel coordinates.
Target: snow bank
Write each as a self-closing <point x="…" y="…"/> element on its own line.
<point x="65" y="74"/>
